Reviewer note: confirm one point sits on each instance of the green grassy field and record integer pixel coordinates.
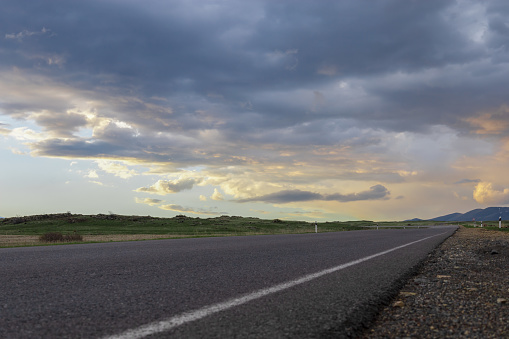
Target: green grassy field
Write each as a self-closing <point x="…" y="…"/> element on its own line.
<point x="24" y="231"/>
<point x="178" y="226"/>
<point x="15" y="231"/>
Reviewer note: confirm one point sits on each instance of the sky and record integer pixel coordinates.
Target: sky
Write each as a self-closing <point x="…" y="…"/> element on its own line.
<point x="302" y="110"/>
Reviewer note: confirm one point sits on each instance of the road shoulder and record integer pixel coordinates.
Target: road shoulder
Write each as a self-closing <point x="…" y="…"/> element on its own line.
<point x="462" y="290"/>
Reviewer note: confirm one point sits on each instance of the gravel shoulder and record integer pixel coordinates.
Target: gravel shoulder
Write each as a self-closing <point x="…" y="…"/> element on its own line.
<point x="462" y="290"/>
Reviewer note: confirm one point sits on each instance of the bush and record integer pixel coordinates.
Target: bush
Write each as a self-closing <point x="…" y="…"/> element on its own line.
<point x="73" y="237"/>
<point x="51" y="237"/>
<point x="57" y="236"/>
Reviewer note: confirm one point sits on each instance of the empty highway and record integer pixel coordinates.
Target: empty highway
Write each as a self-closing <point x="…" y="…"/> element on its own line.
<point x="308" y="285"/>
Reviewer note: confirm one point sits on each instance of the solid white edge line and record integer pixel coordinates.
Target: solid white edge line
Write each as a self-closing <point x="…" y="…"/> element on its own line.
<point x="168" y="324"/>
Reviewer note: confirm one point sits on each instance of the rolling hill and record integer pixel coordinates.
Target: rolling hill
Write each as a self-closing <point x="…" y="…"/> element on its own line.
<point x="487" y="214"/>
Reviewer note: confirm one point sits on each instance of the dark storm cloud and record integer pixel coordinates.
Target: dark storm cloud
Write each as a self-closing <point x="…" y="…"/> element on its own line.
<point x="176" y="46"/>
<point x="376" y="192"/>
<point x="288" y="72"/>
<point x="61" y="125"/>
<point x="76" y="149"/>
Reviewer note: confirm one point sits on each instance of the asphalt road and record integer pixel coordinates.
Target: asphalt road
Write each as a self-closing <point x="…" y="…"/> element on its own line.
<point x="310" y="285"/>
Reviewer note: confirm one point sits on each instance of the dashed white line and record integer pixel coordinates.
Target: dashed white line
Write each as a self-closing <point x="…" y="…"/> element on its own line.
<point x="168" y="324"/>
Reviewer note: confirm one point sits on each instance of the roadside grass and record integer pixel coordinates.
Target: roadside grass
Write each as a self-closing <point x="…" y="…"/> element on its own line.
<point x="176" y="227"/>
<point x="179" y="225"/>
<point x="490" y="226"/>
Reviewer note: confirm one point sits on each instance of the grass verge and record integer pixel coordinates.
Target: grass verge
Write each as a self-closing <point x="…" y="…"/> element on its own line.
<point x="101" y="225"/>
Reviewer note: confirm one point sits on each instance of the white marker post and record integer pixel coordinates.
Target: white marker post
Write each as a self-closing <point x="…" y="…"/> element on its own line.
<point x="316" y="227"/>
<point x="500" y="222"/>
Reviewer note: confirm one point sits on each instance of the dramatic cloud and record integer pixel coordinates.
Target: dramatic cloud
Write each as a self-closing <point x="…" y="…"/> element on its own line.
<point x="263" y="101"/>
<point x="163" y="187"/>
<point x="485" y="193"/>
<point x="374" y="193"/>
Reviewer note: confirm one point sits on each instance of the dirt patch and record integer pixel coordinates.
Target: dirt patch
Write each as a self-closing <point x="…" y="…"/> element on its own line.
<point x="18" y="240"/>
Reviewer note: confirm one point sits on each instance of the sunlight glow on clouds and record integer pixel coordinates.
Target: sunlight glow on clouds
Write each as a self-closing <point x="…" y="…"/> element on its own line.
<point x="485" y="193"/>
<point x="400" y="113"/>
<point x="116" y="169"/>
<point x="148" y="201"/>
<point x="163" y="187"/>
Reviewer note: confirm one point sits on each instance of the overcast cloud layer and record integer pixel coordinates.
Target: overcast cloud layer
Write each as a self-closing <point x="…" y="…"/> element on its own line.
<point x="301" y="109"/>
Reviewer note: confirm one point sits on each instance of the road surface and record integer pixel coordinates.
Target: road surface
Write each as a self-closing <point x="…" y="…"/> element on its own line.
<point x="308" y="285"/>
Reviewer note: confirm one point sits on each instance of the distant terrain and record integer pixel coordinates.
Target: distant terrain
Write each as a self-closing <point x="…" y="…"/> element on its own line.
<point x="487" y="214"/>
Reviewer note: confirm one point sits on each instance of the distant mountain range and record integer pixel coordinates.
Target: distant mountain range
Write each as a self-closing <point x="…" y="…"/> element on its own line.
<point x="487" y="214"/>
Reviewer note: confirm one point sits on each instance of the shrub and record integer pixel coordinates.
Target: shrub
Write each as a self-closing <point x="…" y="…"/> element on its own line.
<point x="73" y="237"/>
<point x="51" y="237"/>
<point x="57" y="236"/>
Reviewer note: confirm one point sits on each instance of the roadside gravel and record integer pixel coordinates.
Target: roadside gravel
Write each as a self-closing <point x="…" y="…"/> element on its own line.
<point x="462" y="290"/>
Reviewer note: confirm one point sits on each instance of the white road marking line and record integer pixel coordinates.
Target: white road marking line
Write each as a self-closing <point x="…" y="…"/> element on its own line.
<point x="168" y="324"/>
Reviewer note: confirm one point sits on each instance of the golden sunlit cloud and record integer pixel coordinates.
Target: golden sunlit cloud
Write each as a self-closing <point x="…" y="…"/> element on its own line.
<point x="485" y="193"/>
<point x="491" y="123"/>
<point x="148" y="201"/>
<point x="163" y="187"/>
<point x="216" y="195"/>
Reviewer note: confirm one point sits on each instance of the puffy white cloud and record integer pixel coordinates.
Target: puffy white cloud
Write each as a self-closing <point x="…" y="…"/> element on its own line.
<point x="163" y="187"/>
<point x="116" y="169"/>
<point x="26" y="134"/>
<point x="148" y="201"/>
<point x="486" y="193"/>
<point x="216" y="195"/>
<point x="92" y="174"/>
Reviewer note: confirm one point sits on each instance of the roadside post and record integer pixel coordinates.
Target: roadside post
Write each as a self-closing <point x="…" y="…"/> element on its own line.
<point x="316" y="227"/>
<point x="500" y="222"/>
